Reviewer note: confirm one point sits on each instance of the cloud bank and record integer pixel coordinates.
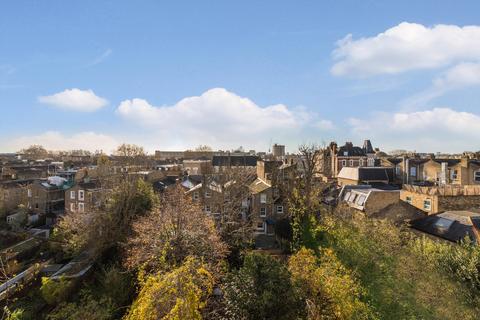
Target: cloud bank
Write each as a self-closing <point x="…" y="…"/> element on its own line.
<point x="217" y="117"/>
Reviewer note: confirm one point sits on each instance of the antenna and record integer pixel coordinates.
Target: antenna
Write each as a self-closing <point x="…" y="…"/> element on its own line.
<point x="270" y="145"/>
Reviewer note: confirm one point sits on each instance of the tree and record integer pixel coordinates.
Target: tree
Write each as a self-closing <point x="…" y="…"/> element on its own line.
<point x="261" y="289"/>
<point x="329" y="288"/>
<point x="109" y="225"/>
<point x="34" y="152"/>
<point x="130" y="155"/>
<point x="174" y="230"/>
<point x="179" y="294"/>
<point x="203" y="147"/>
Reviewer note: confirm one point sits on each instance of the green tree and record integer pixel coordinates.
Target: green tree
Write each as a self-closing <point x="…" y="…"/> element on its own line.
<point x="261" y="289"/>
<point x="55" y="291"/>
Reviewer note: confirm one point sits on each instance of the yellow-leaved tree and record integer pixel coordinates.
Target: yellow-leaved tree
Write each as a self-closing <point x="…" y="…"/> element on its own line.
<point x="180" y="294"/>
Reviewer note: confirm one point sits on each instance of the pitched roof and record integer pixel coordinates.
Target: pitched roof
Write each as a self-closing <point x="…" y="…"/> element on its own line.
<point x="258" y="186"/>
<point x="451" y="225"/>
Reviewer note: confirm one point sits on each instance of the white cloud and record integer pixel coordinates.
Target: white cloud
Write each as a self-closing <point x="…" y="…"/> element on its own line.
<point x="75" y="99"/>
<point x="460" y="76"/>
<point x="405" y="47"/>
<point x="438" y="129"/>
<point x="54" y="140"/>
<point x="217" y="117"/>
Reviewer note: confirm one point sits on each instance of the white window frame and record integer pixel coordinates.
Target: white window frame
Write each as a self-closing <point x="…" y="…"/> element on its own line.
<point x="351" y="163"/>
<point x="264" y="210"/>
<point x="72" y="195"/>
<point x="72" y="207"/>
<point x="344" y="163"/>
<point x="208" y="194"/>
<point x="476" y="176"/>
<point x="370" y="162"/>
<point x="81" y="207"/>
<point x="263" y="198"/>
<point x="208" y="209"/>
<point x="279" y="209"/>
<point x="262" y="229"/>
<point x="454" y="174"/>
<point x="29" y="193"/>
<point x="427" y="204"/>
<point x="196" y="195"/>
<point x="360" y="163"/>
<point x="81" y="195"/>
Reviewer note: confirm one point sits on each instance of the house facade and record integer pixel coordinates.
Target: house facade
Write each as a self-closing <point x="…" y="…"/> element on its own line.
<point x="334" y="158"/>
<point x="83" y="197"/>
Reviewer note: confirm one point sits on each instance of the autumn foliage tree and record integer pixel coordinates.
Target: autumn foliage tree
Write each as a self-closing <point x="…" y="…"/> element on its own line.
<point x="178" y="294"/>
<point x="170" y="232"/>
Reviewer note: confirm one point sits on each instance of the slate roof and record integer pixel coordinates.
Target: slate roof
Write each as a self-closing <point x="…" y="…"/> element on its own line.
<point x="351" y="150"/>
<point x="367" y="174"/>
<point x="451" y="225"/>
<point x="235" y="161"/>
<point x="450" y="162"/>
<point x="395" y="160"/>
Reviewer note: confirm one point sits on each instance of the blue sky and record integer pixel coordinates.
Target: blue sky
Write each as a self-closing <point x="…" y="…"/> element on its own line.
<point x="168" y="75"/>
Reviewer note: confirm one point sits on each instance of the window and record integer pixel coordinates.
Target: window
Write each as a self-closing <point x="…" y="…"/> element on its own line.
<point x="408" y="200"/>
<point x="397" y="170"/>
<point x="413" y="171"/>
<point x="208" y="209"/>
<point x="476" y="176"/>
<point x="72" y="195"/>
<point x="351" y="163"/>
<point x="81" y="195"/>
<point x="371" y="162"/>
<point x="344" y="163"/>
<point x="454" y="174"/>
<point x="443" y="224"/>
<point x="29" y="193"/>
<point x="361" y="200"/>
<point x="352" y="197"/>
<point x="208" y="194"/>
<point x="345" y="153"/>
<point x="263" y="212"/>
<point x="72" y="207"/>
<point x="427" y="204"/>
<point x="360" y="162"/>
<point x="81" y="207"/>
<point x="347" y="195"/>
<point x="263" y="198"/>
<point x="260" y="226"/>
<point x="195" y="195"/>
<point x="280" y="209"/>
